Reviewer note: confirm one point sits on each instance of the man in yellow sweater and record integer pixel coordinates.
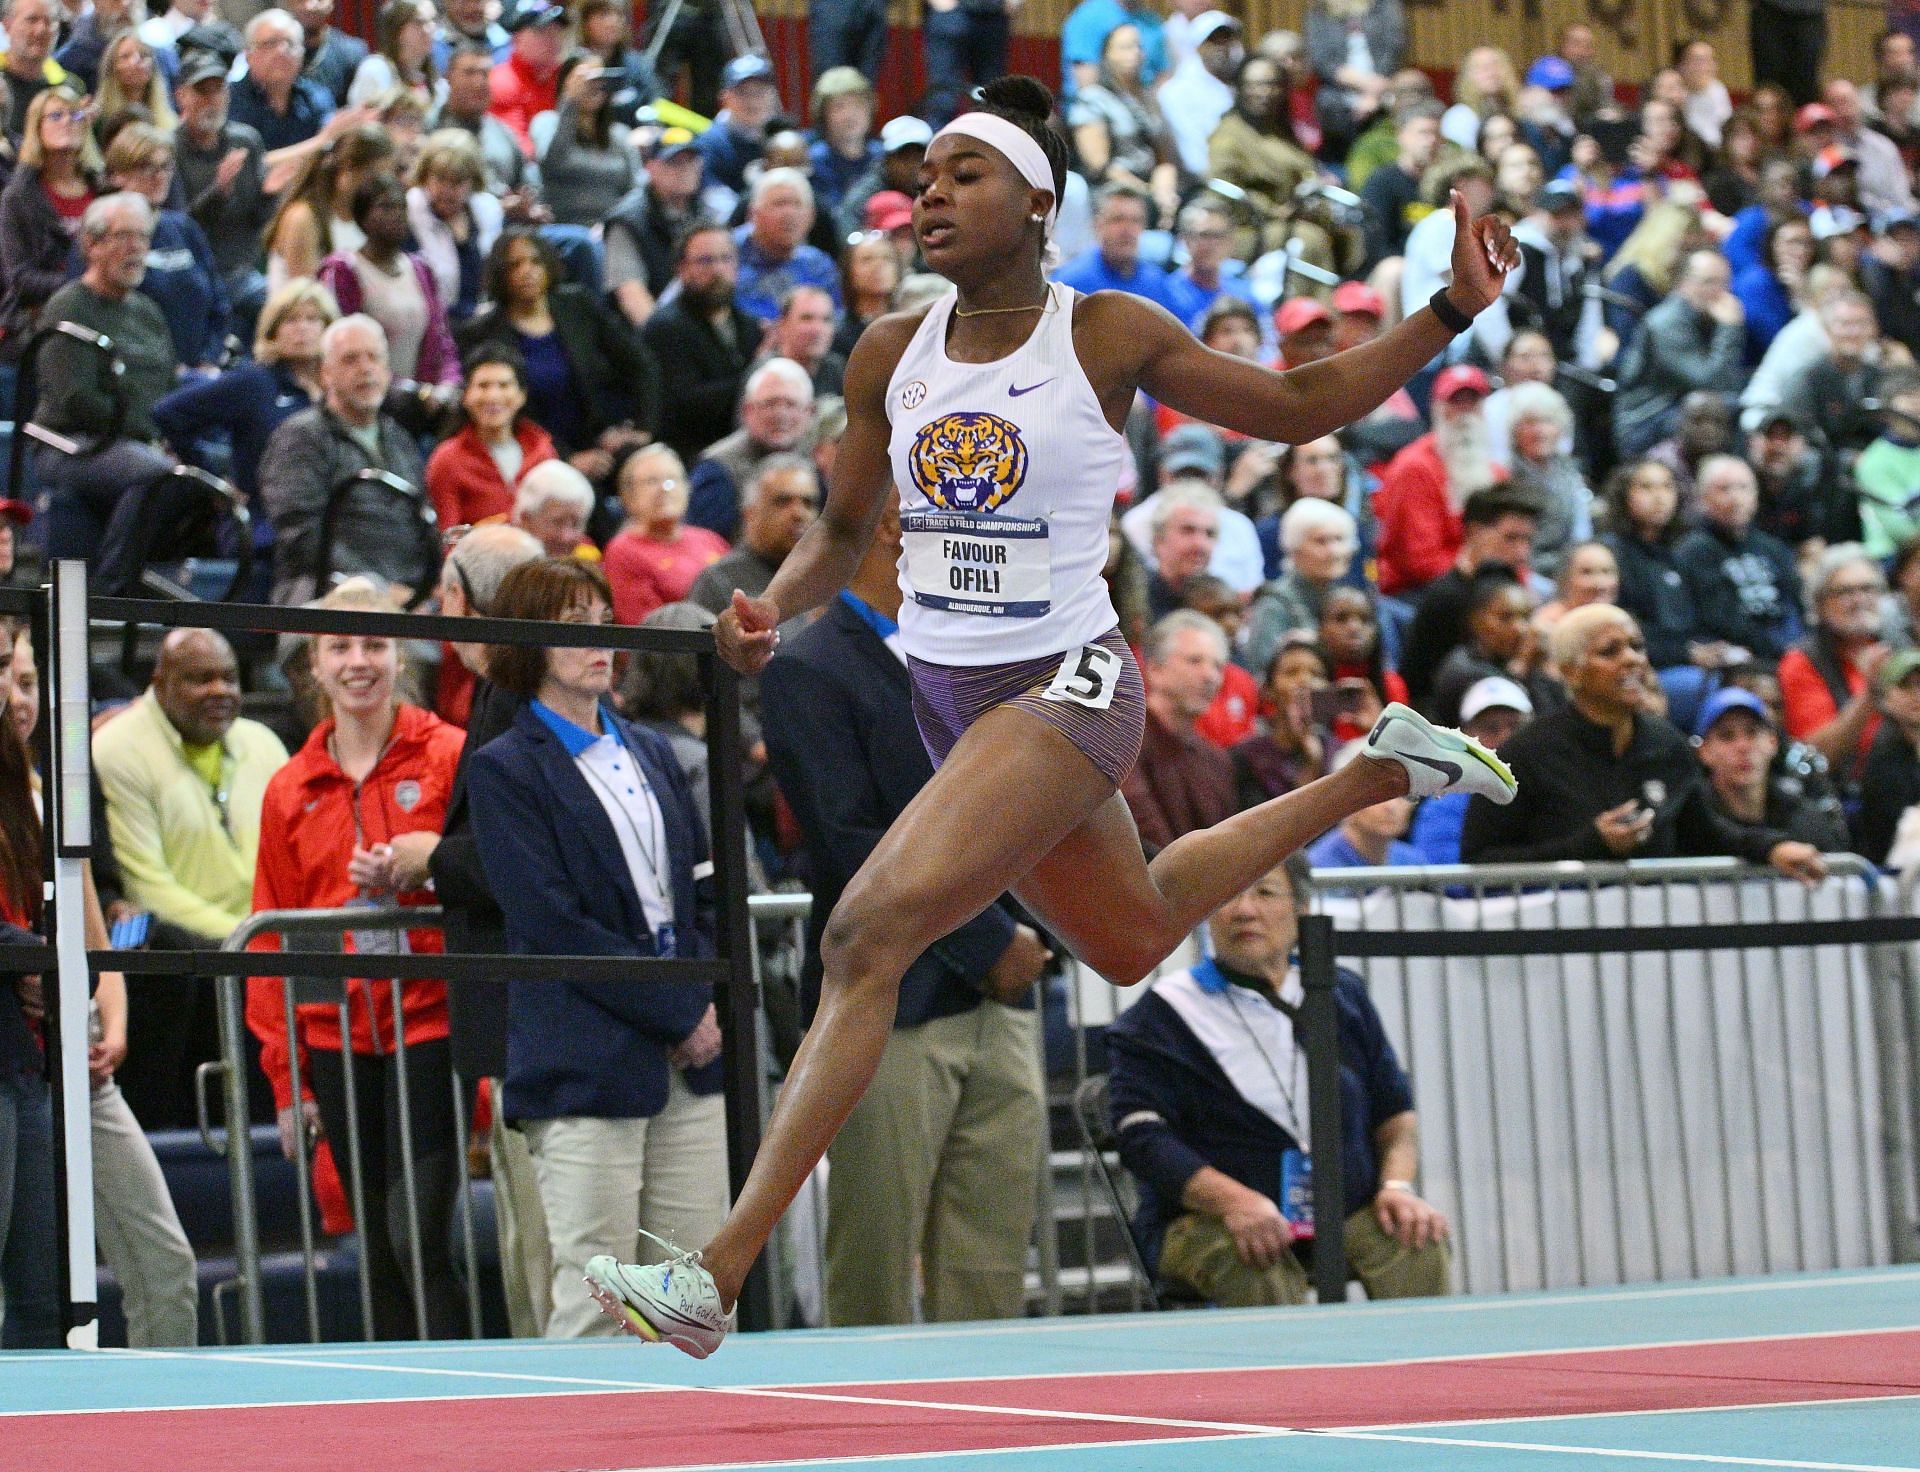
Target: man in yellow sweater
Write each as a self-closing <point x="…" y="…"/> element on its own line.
<point x="183" y="776"/>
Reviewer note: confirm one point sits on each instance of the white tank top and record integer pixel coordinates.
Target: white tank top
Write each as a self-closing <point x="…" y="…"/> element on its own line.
<point x="1007" y="472"/>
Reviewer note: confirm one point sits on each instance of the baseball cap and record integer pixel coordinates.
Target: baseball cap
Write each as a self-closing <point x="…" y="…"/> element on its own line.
<point x="1559" y="194"/>
<point x="197" y="66"/>
<point x="537" y="15"/>
<point x="1208" y="24"/>
<point x="1812" y="116"/>
<point x="1193" y="447"/>
<point x="1836" y="220"/>
<point x="1461" y="378"/>
<point x="1896" y="669"/>
<point x="1555" y="73"/>
<point x="905" y="132"/>
<point x="671" y="143"/>
<point x="889" y="210"/>
<point x="1358" y="298"/>
<point x="1779" y="414"/>
<point x="1495" y="692"/>
<point x="1833" y="157"/>
<point x="744" y="69"/>
<point x="1730" y="698"/>
<point x="17" y="512"/>
<point x="1299" y="314"/>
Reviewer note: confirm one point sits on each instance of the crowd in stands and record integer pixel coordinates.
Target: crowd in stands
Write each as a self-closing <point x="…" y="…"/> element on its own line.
<point x="478" y="318"/>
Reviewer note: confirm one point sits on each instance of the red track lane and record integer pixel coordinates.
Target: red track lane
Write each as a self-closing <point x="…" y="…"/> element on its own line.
<point x="681" y="1428"/>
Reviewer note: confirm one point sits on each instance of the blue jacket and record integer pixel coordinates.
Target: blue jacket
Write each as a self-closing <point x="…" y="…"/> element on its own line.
<point x="837" y="709"/>
<point x="585" y="1048"/>
<point x="249" y="401"/>
<point x="1174" y="1109"/>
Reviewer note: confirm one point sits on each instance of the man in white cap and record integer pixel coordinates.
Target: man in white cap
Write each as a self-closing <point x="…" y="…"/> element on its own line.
<point x="1491" y="712"/>
<point x="1200" y="91"/>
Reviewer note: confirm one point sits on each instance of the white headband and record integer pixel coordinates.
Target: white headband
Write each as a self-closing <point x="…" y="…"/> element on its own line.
<point x="1018" y="146"/>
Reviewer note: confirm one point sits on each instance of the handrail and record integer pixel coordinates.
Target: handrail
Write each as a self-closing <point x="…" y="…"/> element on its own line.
<point x="1567" y="871"/>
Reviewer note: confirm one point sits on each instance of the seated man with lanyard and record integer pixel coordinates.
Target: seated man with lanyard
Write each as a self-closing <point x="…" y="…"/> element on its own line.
<point x="1209" y="1097"/>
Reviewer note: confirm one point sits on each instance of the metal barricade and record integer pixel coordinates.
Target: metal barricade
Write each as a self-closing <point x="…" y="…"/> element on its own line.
<point x="1671" y="1113"/>
<point x="322" y="925"/>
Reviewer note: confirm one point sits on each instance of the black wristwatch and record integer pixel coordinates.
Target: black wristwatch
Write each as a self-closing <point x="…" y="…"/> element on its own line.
<point x="1451" y="317"/>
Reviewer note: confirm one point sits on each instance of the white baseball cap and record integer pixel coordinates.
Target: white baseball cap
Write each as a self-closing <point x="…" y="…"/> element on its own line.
<point x="1494" y="692"/>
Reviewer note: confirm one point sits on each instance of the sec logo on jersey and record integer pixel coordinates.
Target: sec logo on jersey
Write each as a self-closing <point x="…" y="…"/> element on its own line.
<point x="968" y="462"/>
<point x="913" y="395"/>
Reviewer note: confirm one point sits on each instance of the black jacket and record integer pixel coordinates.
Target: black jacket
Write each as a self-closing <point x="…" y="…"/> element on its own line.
<point x="652" y="229"/>
<point x="700" y="375"/>
<point x="476" y="1010"/>
<point x="1565" y="765"/>
<point x="841" y="739"/>
<point x="34" y="251"/>
<point x="614" y="373"/>
<point x="1891" y="786"/>
<point x="1745" y="589"/>
<point x="1652" y="590"/>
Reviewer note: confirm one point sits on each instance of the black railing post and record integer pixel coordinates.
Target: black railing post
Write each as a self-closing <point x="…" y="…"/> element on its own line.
<point x="739" y="1002"/>
<point x="1320" y="1033"/>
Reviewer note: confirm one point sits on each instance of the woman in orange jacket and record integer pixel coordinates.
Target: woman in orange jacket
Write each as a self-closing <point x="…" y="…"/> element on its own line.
<point x="350" y="820"/>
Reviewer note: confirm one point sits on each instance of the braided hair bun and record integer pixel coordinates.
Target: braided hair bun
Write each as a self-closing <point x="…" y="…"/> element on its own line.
<point x="1029" y="106"/>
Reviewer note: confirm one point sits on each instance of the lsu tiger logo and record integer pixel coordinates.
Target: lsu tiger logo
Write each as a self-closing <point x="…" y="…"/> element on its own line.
<point x="968" y="462"/>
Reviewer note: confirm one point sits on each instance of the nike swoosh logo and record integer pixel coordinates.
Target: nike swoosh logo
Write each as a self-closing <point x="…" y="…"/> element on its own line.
<point x="1014" y="393"/>
<point x="1446" y="769"/>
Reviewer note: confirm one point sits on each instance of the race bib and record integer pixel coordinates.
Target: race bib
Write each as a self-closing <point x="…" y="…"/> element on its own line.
<point x="1088" y="676"/>
<point x="992" y="565"/>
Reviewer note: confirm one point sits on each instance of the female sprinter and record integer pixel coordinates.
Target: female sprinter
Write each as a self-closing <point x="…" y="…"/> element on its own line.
<point x="997" y="412"/>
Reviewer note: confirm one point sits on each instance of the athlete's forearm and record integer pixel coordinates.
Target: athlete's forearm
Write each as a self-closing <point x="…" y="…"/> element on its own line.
<point x="819" y="566"/>
<point x="1336" y="391"/>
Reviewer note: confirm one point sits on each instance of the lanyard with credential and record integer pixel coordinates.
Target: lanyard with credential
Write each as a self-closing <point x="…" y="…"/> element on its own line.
<point x="1288" y="1096"/>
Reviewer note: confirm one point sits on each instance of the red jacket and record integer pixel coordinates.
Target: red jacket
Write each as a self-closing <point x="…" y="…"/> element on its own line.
<point x="1420" y="530"/>
<point x="518" y="96"/>
<point x="307" y="836"/>
<point x="465" y="484"/>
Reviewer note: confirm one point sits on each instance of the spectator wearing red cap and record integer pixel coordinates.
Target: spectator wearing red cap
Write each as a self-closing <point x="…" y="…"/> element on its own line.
<point x="1427" y="484"/>
<point x="1305" y="327"/>
<point x="1359" y="314"/>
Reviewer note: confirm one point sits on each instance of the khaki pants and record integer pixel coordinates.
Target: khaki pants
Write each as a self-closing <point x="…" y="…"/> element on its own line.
<point x="526" y="1259"/>
<point x="139" y="1231"/>
<point x="940" y="1161"/>
<point x="601" y="1180"/>
<point x="1199" y="1252"/>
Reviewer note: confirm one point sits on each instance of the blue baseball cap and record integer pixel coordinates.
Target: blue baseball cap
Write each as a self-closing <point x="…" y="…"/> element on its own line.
<point x="749" y="68"/>
<point x="1730" y="698"/>
<point x="1555" y="73"/>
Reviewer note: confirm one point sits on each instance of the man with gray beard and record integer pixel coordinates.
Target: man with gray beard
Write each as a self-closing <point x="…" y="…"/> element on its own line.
<point x="1426" y="485"/>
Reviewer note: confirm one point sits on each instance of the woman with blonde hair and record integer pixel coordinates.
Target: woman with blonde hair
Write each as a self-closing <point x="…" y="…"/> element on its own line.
<point x="254" y="398"/>
<point x="315" y="217"/>
<point x="1648" y="262"/>
<point x="351" y="820"/>
<point x="1485" y="84"/>
<point x="182" y="276"/>
<point x="40" y="210"/>
<point x="129" y="78"/>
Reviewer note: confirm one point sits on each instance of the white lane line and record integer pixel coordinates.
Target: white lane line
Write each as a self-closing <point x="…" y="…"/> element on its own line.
<point x="1814" y="1403"/>
<point x="1710" y="1459"/>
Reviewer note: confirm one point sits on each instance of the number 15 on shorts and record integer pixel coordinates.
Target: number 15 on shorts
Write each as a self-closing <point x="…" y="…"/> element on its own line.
<point x="1088" y="676"/>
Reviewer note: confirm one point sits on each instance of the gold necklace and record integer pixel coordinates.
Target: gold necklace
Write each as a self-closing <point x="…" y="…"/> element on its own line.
<point x="1045" y="306"/>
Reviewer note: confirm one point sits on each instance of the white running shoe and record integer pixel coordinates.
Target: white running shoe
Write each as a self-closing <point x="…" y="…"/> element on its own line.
<point x="1437" y="759"/>
<point x="673" y="1301"/>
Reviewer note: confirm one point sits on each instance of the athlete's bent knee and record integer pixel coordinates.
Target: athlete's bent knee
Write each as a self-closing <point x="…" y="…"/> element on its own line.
<point x="856" y="951"/>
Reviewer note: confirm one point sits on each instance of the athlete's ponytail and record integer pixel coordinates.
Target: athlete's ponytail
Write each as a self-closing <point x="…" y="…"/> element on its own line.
<point x="1029" y="106"/>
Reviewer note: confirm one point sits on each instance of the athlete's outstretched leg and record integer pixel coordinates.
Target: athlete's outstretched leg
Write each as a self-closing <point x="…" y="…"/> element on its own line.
<point x="1098" y="873"/>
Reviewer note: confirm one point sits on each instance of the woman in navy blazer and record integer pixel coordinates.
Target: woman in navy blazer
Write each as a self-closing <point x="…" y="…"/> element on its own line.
<point x="589" y="839"/>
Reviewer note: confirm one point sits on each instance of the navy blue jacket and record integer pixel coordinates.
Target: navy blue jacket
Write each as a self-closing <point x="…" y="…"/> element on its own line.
<point x="184" y="282"/>
<point x="1180" y="1112"/>
<point x="587" y="1048"/>
<point x="837" y="711"/>
<point x="250" y="400"/>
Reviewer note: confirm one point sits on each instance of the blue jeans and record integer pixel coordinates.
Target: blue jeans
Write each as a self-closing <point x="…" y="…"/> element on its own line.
<point x="29" y="1245"/>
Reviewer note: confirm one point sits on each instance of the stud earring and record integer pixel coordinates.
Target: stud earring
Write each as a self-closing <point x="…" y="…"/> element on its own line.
<point x="1034" y="218"/>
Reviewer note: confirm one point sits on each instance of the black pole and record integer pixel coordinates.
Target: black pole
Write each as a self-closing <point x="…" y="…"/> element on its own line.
<point x="1320" y="1031"/>
<point x="739" y="1000"/>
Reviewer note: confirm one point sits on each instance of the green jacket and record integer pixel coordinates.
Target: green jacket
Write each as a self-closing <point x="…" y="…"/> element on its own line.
<point x="1887" y="477"/>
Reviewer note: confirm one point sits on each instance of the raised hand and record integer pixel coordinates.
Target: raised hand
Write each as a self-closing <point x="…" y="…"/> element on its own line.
<point x="1483" y="254"/>
<point x="747" y="633"/>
